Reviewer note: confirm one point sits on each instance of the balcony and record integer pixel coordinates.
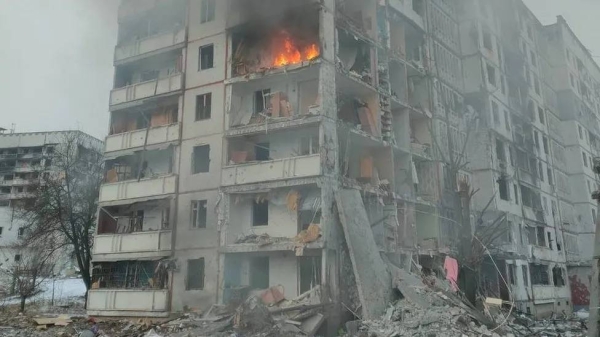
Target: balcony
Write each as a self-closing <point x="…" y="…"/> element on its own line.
<point x="160" y="86"/>
<point x="288" y="168"/>
<point x="134" y="139"/>
<point x="116" y="247"/>
<point x="150" y="188"/>
<point x="128" y="302"/>
<point x="406" y="8"/>
<point x="149" y="44"/>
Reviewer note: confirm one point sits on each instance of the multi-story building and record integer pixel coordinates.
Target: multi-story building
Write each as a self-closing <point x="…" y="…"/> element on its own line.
<point x="24" y="158"/>
<point x="236" y="124"/>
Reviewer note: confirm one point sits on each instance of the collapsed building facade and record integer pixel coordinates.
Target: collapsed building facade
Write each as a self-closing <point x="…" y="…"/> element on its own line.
<point x="269" y="143"/>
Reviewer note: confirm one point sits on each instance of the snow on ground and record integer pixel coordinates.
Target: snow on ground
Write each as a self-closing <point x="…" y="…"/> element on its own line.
<point x="65" y="290"/>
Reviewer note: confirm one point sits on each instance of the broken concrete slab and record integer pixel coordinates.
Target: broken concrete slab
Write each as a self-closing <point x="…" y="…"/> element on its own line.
<point x="372" y="276"/>
<point x="311" y="325"/>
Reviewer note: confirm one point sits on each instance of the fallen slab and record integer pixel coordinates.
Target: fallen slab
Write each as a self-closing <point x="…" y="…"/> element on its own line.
<point x="372" y="277"/>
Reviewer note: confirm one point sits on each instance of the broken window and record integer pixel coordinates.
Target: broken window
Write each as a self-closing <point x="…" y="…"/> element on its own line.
<point x="541" y="237"/>
<point x="195" y="274"/>
<point x="495" y="113"/>
<point x="541" y="115"/>
<point x="259" y="272"/>
<point x="206" y="57"/>
<point x="557" y="277"/>
<point x="531" y="235"/>
<point x="516" y="194"/>
<point x="541" y="170"/>
<point x="525" y="275"/>
<point x="549" y="240"/>
<point x="545" y="143"/>
<point x="550" y="180"/>
<point x="512" y="273"/>
<point x="491" y="75"/>
<point x="500" y="153"/>
<point x="503" y="188"/>
<point x="580" y="131"/>
<point x="207" y="11"/>
<point x="199" y="213"/>
<point x="539" y="274"/>
<point x="262" y="151"/>
<point x="309" y="145"/>
<point x="17" y="257"/>
<point x="203" y="106"/>
<point x="260" y="100"/>
<point x="201" y="159"/>
<point x="310" y="272"/>
<point x="584" y="159"/>
<point x="260" y="213"/>
<point x="1" y="230"/>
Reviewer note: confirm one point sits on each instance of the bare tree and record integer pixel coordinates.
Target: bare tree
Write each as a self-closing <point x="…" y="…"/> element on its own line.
<point x="34" y="266"/>
<point x="65" y="201"/>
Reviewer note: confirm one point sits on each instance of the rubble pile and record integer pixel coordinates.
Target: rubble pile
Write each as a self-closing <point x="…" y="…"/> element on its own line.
<point x="429" y="308"/>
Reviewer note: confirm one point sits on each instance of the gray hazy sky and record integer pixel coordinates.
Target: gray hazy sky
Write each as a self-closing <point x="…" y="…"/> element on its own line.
<point x="56" y="60"/>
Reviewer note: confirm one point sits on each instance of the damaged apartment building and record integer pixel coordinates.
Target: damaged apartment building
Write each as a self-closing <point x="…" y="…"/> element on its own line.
<point x="25" y="157"/>
<point x="536" y="89"/>
<point x="290" y="144"/>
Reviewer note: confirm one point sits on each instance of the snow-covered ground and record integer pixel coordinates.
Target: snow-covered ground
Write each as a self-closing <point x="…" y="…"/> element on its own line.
<point x="66" y="290"/>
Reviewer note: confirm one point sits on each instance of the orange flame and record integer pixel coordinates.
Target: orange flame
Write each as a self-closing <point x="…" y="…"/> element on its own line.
<point x="286" y="51"/>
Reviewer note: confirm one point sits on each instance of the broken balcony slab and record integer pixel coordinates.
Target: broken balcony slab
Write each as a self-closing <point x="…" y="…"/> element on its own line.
<point x="274" y="124"/>
<point x="287" y="245"/>
<point x="271" y="170"/>
<point x="268" y="73"/>
<point x="370" y="271"/>
<point x="261" y="187"/>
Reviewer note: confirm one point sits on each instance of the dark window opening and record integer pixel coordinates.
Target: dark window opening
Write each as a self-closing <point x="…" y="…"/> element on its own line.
<point x="262" y="151"/>
<point x="259" y="272"/>
<point x="20" y="232"/>
<point x="199" y="213"/>
<point x="541" y="115"/>
<point x="500" y="153"/>
<point x="310" y="272"/>
<point x="491" y="75"/>
<point x="512" y="271"/>
<point x="17" y="257"/>
<point x="503" y="188"/>
<point x="516" y="194"/>
<point x="539" y="274"/>
<point x="549" y="240"/>
<point x="260" y="100"/>
<point x="525" y="275"/>
<point x="195" y="274"/>
<point x="203" y="106"/>
<point x="557" y="277"/>
<point x="541" y="237"/>
<point x="201" y="159"/>
<point x="206" y="57"/>
<point x="260" y="213"/>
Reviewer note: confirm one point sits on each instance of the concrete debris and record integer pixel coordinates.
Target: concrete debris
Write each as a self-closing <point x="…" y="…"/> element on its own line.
<point x="426" y="310"/>
<point x="260" y="239"/>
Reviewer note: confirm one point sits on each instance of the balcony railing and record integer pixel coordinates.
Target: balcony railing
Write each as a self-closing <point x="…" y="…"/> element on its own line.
<point x="132" y="302"/>
<point x="134" y="139"/>
<point x="149" y="44"/>
<point x="124" y="246"/>
<point x="296" y="167"/>
<point x="144" y="188"/>
<point x="146" y="89"/>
